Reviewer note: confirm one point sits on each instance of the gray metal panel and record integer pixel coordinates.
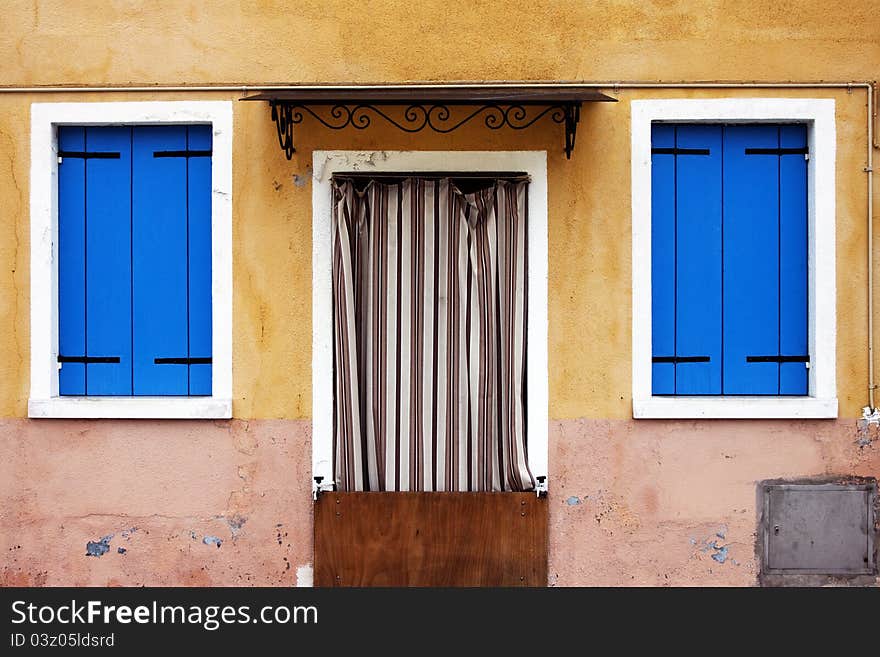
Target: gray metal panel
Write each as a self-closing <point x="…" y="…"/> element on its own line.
<point x="819" y="528"/>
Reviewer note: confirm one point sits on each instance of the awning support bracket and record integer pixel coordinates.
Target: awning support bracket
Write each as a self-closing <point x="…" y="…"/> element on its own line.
<point x="439" y="117"/>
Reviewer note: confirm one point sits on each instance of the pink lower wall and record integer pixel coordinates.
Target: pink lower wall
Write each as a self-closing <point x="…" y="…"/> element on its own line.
<point x="640" y="503"/>
<point x="160" y="488"/>
<point x="653" y="502"/>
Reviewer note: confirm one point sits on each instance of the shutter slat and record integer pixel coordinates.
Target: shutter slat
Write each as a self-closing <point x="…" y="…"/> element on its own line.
<point x="71" y="261"/>
<point x="793" y="379"/>
<point x="663" y="258"/>
<point x="200" y="260"/>
<point x="108" y="261"/>
<point x="698" y="248"/>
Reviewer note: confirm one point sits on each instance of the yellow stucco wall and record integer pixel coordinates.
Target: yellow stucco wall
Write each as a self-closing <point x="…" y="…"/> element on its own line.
<point x="174" y="41"/>
<point x="590" y="270"/>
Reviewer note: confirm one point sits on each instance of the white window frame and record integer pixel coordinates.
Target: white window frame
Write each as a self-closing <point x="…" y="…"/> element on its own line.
<point x="325" y="164"/>
<point x="45" y="402"/>
<point x="818" y="116"/>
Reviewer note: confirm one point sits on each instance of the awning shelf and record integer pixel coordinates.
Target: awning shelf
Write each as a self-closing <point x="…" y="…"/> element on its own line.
<point x="443" y="109"/>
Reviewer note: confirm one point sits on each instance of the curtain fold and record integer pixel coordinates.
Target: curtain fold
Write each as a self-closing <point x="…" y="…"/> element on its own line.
<point x="430" y="308"/>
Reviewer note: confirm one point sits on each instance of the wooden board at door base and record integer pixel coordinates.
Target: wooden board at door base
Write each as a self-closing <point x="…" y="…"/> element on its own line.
<point x="430" y="539"/>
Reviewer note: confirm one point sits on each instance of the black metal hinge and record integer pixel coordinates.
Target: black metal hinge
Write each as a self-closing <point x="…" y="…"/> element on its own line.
<point x="777" y="359"/>
<point x="681" y="359"/>
<point x="82" y="155"/>
<point x="184" y="153"/>
<point x="182" y="361"/>
<point x="680" y="151"/>
<point x="777" y="151"/>
<point x="88" y="359"/>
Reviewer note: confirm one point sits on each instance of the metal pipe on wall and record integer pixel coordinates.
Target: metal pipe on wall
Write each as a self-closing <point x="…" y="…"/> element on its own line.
<point x="870" y="411"/>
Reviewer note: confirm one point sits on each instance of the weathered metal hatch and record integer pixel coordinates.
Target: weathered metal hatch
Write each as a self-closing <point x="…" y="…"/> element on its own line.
<point x="821" y="529"/>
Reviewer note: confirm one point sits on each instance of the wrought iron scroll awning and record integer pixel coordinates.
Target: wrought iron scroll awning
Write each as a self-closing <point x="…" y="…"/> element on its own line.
<point x="443" y="109"/>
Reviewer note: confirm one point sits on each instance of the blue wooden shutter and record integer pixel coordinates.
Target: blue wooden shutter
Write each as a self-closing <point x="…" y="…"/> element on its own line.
<point x="751" y="260"/>
<point x="692" y="280"/>
<point x="172" y="260"/>
<point x="95" y="261"/>
<point x="159" y="257"/>
<point x="135" y="260"/>
<point x="729" y="260"/>
<point x="765" y="260"/>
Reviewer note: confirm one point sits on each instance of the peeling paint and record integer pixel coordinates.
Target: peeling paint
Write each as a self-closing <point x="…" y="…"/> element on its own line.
<point x="300" y="181"/>
<point x="235" y="522"/>
<point x="867" y="432"/>
<point x="720" y="551"/>
<point x="212" y="540"/>
<point x="573" y="500"/>
<point x="121" y="550"/>
<point x="98" y="548"/>
<point x="354" y="160"/>
<point x="305" y="575"/>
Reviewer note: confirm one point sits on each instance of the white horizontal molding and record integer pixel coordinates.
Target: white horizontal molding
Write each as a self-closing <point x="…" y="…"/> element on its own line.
<point x="761" y="408"/>
<point x="173" y="112"/>
<point x="174" y="408"/>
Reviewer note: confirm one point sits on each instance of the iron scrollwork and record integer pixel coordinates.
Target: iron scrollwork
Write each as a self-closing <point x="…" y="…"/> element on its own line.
<point x="419" y="116"/>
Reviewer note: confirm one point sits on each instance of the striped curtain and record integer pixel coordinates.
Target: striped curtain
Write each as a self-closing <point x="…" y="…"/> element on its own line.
<point x="429" y="290"/>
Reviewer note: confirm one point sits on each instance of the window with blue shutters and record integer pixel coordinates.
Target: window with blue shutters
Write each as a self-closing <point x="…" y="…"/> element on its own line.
<point x="729" y="272"/>
<point x="134" y="260"/>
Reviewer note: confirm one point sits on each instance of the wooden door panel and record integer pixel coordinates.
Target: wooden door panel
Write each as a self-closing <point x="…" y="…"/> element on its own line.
<point x="430" y="539"/>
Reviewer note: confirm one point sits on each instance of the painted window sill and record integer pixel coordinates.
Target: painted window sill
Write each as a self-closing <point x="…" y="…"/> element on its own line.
<point x="170" y="408"/>
<point x="758" y="408"/>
